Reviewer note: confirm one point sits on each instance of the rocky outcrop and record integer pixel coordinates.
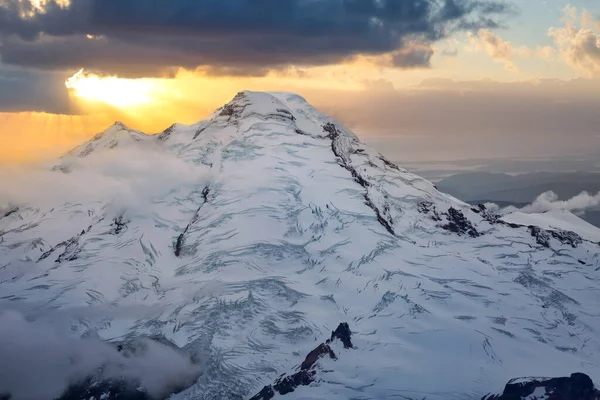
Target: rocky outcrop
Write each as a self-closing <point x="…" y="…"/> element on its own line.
<point x="567" y="237"/>
<point x="382" y="213"/>
<point x="307" y="370"/>
<point x="576" y="387"/>
<point x="72" y="248"/>
<point x="427" y="207"/>
<point x="542" y="237"/>
<point x="164" y="135"/>
<point x="180" y="242"/>
<point x="459" y="224"/>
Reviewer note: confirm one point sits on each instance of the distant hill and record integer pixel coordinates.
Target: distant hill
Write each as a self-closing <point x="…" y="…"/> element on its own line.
<point x="522" y="188"/>
<point x="519" y="190"/>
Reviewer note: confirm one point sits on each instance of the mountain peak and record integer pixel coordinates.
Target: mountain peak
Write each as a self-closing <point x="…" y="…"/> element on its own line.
<point x="118" y="134"/>
<point x="247" y="103"/>
<point x="120" y="125"/>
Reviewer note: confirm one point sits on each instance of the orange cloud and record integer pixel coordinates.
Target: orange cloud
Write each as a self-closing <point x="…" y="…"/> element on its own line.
<point x="578" y="46"/>
<point x="498" y="48"/>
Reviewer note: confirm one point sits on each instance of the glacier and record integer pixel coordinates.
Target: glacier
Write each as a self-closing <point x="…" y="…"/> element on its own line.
<point x="292" y="227"/>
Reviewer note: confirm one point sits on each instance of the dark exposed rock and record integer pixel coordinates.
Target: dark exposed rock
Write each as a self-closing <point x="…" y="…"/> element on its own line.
<point x="164" y="135"/>
<point x="71" y="248"/>
<point x="509" y="224"/>
<point x="307" y="370"/>
<point x="382" y="221"/>
<point x="227" y="110"/>
<point x="71" y="252"/>
<point x="458" y="223"/>
<point x="380" y="214"/>
<point x="301" y="132"/>
<point x="388" y="163"/>
<point x="576" y="387"/>
<point x="286" y="113"/>
<point x="10" y="212"/>
<point x="493" y="218"/>
<point x="235" y="108"/>
<point x="541" y="236"/>
<point x="331" y="129"/>
<point x="119" y="224"/>
<point x="426" y="207"/>
<point x="198" y="132"/>
<point x="179" y="243"/>
<point x="343" y="334"/>
<point x="567" y="237"/>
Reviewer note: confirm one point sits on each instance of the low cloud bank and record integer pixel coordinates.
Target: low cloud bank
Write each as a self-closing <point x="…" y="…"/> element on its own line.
<point x="40" y="360"/>
<point x="549" y="201"/>
<point x="131" y="177"/>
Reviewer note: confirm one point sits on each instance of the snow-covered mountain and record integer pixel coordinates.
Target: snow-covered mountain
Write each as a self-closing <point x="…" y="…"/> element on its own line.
<point x="118" y="135"/>
<point x="300" y="227"/>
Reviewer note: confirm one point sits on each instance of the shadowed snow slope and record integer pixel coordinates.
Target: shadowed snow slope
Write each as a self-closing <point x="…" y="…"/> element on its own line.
<point x="300" y="227"/>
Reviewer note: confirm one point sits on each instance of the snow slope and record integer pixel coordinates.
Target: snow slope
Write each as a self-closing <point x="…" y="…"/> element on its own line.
<point x="301" y="227"/>
<point x="557" y="220"/>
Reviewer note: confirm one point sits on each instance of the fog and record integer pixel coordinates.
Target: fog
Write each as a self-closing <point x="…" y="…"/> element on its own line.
<point x="40" y="359"/>
<point x="128" y="178"/>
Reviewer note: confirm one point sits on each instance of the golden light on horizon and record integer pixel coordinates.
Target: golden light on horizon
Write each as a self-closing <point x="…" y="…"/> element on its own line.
<point x="117" y="92"/>
<point x="150" y="105"/>
<point x="30" y="8"/>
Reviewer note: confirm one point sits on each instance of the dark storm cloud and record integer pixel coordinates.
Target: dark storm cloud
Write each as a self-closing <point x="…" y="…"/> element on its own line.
<point x="140" y="37"/>
<point x="412" y="57"/>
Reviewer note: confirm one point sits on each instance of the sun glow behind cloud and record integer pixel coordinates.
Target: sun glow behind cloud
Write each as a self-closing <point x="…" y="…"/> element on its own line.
<point x="30" y="8"/>
<point x="118" y="92"/>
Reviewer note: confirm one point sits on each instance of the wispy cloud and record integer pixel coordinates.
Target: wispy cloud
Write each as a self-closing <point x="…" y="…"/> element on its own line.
<point x="118" y="177"/>
<point x="499" y="49"/>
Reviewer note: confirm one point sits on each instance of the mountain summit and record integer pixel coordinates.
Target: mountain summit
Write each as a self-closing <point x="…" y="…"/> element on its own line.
<point x="295" y="227"/>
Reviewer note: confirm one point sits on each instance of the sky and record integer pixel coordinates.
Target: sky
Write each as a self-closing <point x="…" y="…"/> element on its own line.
<point x="417" y="79"/>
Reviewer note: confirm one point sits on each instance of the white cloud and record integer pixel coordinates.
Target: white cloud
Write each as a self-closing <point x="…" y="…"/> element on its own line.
<point x="546" y="53"/>
<point x="549" y="201"/>
<point x="123" y="177"/>
<point x="578" y="46"/>
<point x="499" y="49"/>
<point x="41" y="360"/>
